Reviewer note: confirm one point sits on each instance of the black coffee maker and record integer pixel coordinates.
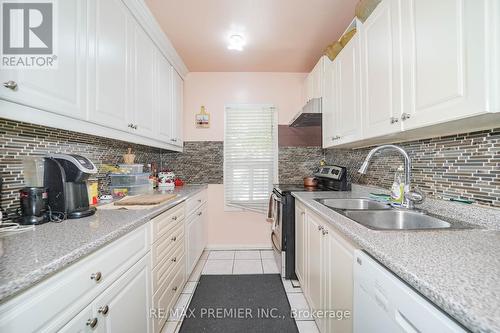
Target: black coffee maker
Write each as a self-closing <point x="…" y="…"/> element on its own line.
<point x="65" y="177"/>
<point x="33" y="205"/>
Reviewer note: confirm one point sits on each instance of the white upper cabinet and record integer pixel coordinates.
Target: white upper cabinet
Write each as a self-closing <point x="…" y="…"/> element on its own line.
<point x="313" y="84"/>
<point x="164" y="93"/>
<point x="348" y="93"/>
<point x="178" y="106"/>
<point x="381" y="70"/>
<point x="446" y="47"/>
<point x="110" y="74"/>
<point x="330" y="104"/>
<point x="59" y="90"/>
<point x="143" y="111"/>
<point x="114" y="77"/>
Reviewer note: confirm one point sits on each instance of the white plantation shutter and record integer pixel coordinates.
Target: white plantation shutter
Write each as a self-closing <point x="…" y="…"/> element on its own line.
<point x="250" y="156"/>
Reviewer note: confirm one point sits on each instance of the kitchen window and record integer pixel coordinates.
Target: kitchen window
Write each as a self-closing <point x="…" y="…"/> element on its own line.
<point x="250" y="156"/>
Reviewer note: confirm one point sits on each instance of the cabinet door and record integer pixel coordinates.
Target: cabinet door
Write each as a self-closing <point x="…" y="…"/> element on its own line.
<point x="144" y="93"/>
<point x="381" y="70"/>
<point x="62" y="89"/>
<point x="192" y="240"/>
<point x="337" y="280"/>
<point x="110" y="53"/>
<point x="84" y="322"/>
<point x="446" y="47"/>
<point x="124" y="306"/>
<point x="300" y="234"/>
<point x="347" y="77"/>
<point x="178" y="95"/>
<point x="330" y="104"/>
<point x="313" y="275"/>
<point x="203" y="230"/>
<point x="164" y="98"/>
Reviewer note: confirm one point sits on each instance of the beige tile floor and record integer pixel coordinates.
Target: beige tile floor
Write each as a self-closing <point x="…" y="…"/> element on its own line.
<point x="240" y="262"/>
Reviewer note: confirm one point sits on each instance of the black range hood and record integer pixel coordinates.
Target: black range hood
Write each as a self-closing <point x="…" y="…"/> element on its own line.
<point x="310" y="115"/>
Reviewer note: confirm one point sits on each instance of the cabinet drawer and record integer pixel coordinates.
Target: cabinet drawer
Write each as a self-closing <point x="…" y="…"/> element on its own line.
<point x="196" y="201"/>
<point x="162" y="271"/>
<point x="56" y="300"/>
<point x="161" y="224"/>
<point x="198" y="212"/>
<point x="164" y="299"/>
<point x="167" y="244"/>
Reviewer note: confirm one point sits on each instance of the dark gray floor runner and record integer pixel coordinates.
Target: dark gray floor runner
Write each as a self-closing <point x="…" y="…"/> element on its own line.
<point x="239" y="303"/>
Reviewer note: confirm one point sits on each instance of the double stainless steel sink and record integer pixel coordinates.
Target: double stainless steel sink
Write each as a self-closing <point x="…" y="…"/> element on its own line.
<point x="382" y="216"/>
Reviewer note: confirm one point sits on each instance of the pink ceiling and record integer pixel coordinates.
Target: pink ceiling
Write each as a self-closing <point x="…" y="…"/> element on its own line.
<point x="281" y="35"/>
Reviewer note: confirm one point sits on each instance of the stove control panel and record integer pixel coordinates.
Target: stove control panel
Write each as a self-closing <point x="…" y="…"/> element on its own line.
<point x="330" y="171"/>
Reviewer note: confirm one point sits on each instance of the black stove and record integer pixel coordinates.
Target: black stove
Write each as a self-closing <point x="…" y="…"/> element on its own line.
<point x="330" y="178"/>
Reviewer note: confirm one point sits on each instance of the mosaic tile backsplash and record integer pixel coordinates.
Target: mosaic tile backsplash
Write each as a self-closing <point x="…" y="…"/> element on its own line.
<point x="463" y="165"/>
<point x="18" y="140"/>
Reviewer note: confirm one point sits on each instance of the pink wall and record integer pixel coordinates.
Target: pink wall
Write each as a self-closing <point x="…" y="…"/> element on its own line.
<point x="215" y="90"/>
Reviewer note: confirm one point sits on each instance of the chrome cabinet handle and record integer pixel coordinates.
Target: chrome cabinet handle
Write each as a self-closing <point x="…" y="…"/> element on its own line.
<point x="173" y="140"/>
<point x="199" y="214"/>
<point x="405" y="116"/>
<point x="320" y="227"/>
<point x="130" y="125"/>
<point x="174" y="218"/>
<point x="199" y="200"/>
<point x="173" y="239"/>
<point x="335" y="137"/>
<point x="103" y="310"/>
<point x="174" y="289"/>
<point x="12" y="85"/>
<point x="394" y="120"/>
<point x="174" y="259"/>
<point x="92" y="322"/>
<point x="324" y="232"/>
<point x="96" y="276"/>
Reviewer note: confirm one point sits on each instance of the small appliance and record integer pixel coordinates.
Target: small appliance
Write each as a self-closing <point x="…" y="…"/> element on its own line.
<point x="33" y="205"/>
<point x="66" y="177"/>
<point x="282" y="206"/>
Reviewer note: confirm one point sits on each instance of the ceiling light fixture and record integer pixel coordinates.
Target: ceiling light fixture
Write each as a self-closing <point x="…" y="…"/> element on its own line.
<point x="236" y="42"/>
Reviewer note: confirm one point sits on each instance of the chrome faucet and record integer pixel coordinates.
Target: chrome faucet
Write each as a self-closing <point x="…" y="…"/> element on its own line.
<point x="410" y="198"/>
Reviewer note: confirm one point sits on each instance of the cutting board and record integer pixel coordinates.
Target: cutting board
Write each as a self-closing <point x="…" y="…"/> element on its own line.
<point x="145" y="200"/>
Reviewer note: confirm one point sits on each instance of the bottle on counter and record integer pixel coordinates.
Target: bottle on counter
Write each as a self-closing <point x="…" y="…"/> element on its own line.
<point x="398" y="187"/>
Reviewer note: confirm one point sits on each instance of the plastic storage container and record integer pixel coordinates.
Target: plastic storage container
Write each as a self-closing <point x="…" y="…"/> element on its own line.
<point x="119" y="179"/>
<point x="131" y="168"/>
<point x="121" y="191"/>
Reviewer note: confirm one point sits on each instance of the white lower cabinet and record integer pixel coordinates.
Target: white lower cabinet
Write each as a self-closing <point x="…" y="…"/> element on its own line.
<point x="125" y="305"/>
<point x="300" y="241"/>
<point x="196" y="229"/>
<point x="327" y="279"/>
<point x="168" y="262"/>
<point x="129" y="285"/>
<point x="82" y="322"/>
<point x="55" y="302"/>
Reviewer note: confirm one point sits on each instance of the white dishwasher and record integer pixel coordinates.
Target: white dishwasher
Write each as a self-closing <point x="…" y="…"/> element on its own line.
<point x="383" y="303"/>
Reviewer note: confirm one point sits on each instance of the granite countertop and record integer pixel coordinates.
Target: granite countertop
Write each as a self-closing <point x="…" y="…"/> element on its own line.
<point x="32" y="256"/>
<point x="458" y="270"/>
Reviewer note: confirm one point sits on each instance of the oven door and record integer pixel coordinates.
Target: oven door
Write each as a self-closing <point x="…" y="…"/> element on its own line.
<point x="277" y="231"/>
